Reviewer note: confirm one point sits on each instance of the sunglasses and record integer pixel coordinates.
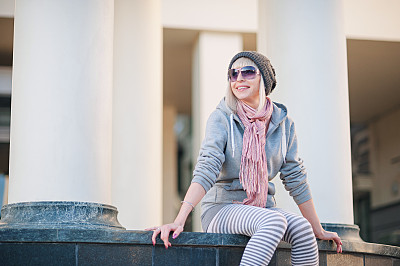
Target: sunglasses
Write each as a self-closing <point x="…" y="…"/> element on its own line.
<point x="248" y="73"/>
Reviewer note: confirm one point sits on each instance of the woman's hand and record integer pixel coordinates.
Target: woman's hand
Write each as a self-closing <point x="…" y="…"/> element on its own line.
<point x="194" y="194"/>
<point x="327" y="235"/>
<point x="165" y="230"/>
<point x="308" y="210"/>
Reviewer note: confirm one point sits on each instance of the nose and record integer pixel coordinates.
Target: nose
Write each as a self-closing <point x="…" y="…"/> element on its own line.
<point x="240" y="77"/>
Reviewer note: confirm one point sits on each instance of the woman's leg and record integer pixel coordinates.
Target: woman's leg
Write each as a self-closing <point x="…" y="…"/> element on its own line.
<point x="300" y="235"/>
<point x="265" y="227"/>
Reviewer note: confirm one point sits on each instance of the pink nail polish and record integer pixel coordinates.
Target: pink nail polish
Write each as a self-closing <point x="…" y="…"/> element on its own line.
<point x="174" y="236"/>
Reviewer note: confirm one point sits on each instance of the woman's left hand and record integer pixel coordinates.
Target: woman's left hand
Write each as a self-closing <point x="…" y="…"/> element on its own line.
<point x="327" y="235"/>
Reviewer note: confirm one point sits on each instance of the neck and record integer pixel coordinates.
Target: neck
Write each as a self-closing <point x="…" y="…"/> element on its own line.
<point x="253" y="105"/>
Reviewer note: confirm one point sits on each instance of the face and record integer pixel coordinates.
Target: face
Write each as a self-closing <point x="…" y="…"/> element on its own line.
<point x="247" y="90"/>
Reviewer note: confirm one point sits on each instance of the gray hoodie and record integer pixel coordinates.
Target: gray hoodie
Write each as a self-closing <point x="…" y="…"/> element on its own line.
<point x="218" y="164"/>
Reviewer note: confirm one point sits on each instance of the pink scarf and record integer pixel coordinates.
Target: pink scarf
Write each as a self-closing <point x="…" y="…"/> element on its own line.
<point x="253" y="167"/>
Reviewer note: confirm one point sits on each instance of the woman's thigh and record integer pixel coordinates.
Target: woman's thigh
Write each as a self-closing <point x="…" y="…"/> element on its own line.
<point x="246" y="220"/>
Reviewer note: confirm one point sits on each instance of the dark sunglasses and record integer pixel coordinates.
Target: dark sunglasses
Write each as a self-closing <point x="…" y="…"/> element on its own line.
<point x="248" y="73"/>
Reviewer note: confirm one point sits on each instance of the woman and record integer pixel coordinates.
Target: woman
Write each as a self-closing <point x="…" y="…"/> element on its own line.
<point x="249" y="139"/>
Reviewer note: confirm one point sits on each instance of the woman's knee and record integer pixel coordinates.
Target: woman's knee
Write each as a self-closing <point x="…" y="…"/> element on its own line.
<point x="305" y="224"/>
<point x="301" y="230"/>
<point x="274" y="219"/>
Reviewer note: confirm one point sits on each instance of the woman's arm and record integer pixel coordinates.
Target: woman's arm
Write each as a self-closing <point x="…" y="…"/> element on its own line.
<point x="308" y="210"/>
<point x="194" y="194"/>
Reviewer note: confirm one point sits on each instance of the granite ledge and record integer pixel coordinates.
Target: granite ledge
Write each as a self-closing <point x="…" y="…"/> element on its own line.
<point x="193" y="239"/>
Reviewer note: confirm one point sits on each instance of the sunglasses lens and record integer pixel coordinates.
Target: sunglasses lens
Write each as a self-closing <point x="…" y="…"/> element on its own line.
<point x="233" y="74"/>
<point x="248" y="72"/>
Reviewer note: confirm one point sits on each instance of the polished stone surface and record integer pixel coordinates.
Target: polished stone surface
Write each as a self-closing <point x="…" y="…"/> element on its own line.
<point x="37" y="254"/>
<point x="118" y="254"/>
<point x="59" y="214"/>
<point x="129" y="247"/>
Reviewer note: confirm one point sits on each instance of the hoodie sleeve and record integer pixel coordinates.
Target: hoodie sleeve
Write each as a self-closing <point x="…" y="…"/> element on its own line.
<point x="212" y="152"/>
<point x="293" y="172"/>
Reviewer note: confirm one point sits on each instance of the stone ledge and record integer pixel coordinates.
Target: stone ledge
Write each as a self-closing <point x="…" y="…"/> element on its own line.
<point x="227" y="246"/>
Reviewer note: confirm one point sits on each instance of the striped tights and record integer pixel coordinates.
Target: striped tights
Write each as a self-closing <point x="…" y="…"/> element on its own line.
<point x="267" y="227"/>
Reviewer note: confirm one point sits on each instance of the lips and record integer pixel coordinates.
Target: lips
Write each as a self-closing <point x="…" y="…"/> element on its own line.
<point x="242" y="88"/>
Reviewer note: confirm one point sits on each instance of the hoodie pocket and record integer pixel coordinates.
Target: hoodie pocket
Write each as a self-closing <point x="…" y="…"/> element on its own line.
<point x="229" y="195"/>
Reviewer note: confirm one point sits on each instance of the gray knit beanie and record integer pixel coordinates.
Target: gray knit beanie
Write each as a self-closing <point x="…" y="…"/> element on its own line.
<point x="263" y="64"/>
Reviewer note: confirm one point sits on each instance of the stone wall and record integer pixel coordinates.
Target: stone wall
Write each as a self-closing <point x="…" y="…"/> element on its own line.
<point x="120" y="247"/>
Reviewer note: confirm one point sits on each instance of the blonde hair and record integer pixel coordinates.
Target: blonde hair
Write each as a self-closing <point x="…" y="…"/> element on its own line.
<point x="230" y="98"/>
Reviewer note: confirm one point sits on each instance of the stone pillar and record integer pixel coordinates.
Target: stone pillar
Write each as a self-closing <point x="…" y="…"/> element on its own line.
<point x="60" y="143"/>
<point x="137" y="113"/>
<point x="306" y="44"/>
<point x="171" y="200"/>
<point x="211" y="56"/>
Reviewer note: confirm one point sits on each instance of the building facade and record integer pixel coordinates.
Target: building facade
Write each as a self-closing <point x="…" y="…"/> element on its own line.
<point x="110" y="100"/>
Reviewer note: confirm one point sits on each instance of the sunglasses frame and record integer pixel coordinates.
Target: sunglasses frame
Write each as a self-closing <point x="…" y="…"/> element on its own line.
<point x="230" y="73"/>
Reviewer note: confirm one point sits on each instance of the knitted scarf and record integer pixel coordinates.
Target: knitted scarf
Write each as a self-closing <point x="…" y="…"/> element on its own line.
<point x="253" y="167"/>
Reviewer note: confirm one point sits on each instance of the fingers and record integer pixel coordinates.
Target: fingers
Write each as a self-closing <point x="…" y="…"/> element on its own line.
<point x="335" y="237"/>
<point x="338" y="242"/>
<point x="164" y="236"/>
<point x="157" y="230"/>
<point x="339" y="247"/>
<point x="165" y="231"/>
<point x="177" y="232"/>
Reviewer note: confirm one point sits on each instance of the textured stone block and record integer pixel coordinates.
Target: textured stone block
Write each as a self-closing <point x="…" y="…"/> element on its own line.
<point x="106" y="254"/>
<point x="371" y="260"/>
<point x="37" y="254"/>
<point x="322" y="258"/>
<point x="349" y="259"/>
<point x="283" y="257"/>
<point x="273" y="261"/>
<point x="229" y="256"/>
<point x="175" y="256"/>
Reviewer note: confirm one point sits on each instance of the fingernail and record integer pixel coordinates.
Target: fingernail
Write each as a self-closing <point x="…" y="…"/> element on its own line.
<point x="174" y="236"/>
<point x="154" y="244"/>
<point x="166" y="247"/>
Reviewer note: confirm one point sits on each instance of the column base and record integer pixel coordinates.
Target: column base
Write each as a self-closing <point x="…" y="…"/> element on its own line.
<point x="59" y="215"/>
<point x="350" y="232"/>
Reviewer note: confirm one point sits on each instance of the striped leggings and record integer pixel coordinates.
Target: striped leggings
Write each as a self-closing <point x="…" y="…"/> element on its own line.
<point x="267" y="227"/>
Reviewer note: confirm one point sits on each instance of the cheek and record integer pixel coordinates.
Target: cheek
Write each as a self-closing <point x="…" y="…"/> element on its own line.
<point x="232" y="90"/>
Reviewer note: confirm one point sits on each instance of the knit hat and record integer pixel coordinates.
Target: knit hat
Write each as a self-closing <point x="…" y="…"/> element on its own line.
<point x="263" y="64"/>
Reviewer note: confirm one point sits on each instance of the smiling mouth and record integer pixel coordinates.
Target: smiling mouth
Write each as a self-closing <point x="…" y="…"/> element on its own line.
<point x="242" y="88"/>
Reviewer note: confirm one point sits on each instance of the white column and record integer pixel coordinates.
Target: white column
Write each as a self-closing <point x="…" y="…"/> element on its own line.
<point x="306" y="44"/>
<point x="211" y="56"/>
<point x="137" y="113"/>
<point x="61" y="101"/>
<point x="170" y="199"/>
